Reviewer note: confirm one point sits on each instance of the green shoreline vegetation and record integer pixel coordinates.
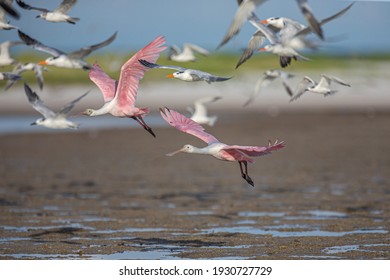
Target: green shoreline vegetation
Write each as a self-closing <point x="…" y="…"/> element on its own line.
<point x="222" y="64"/>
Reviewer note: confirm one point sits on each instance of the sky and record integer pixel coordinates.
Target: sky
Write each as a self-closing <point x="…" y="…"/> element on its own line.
<point x="365" y="28"/>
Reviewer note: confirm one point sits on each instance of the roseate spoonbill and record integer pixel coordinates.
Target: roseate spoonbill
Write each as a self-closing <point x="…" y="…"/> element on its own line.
<point x="57" y="15"/>
<point x="267" y="78"/>
<point x="221" y="151"/>
<point x="62" y="59"/>
<point x="51" y="119"/>
<point x="119" y="96"/>
<point x="199" y="114"/>
<point x="185" y="74"/>
<point x="322" y="87"/>
<point x="187" y="54"/>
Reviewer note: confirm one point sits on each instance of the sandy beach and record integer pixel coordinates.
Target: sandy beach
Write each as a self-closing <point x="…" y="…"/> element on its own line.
<point x="113" y="194"/>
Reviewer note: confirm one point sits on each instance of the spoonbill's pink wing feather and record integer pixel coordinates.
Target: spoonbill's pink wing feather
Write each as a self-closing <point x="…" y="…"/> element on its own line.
<point x="184" y="124"/>
<point x="256" y="151"/>
<point x="132" y="71"/>
<point x="105" y="83"/>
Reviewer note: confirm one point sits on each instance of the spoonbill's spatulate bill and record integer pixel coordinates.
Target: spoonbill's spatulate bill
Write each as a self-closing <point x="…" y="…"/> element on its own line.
<point x="119" y="96"/>
<point x="215" y="148"/>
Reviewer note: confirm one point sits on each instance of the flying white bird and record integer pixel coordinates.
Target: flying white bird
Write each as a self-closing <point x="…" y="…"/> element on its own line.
<point x="62" y="59"/>
<point x="199" y="114"/>
<point x="57" y="15"/>
<point x="268" y="77"/>
<point x="30" y="66"/>
<point x="51" y="119"/>
<point x="187" y="54"/>
<point x="5" y="57"/>
<point x="186" y="74"/>
<point x="322" y="87"/>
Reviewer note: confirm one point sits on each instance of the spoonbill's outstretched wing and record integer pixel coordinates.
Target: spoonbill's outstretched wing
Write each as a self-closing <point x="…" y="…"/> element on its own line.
<point x="132" y="71"/>
<point x="105" y="83"/>
<point x="256" y="151"/>
<point x="184" y="124"/>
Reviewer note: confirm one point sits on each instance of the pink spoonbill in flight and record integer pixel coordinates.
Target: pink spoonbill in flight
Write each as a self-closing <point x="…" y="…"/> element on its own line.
<point x="119" y="96"/>
<point x="221" y="151"/>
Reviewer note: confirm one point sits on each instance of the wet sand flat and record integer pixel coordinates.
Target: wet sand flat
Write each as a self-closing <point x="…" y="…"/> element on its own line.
<point x="113" y="194"/>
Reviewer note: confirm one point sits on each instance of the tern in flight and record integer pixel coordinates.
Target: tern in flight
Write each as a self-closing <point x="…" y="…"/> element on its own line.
<point x="322" y="87"/>
<point x="199" y="114"/>
<point x="268" y="77"/>
<point x="186" y="74"/>
<point x="57" y="15"/>
<point x="30" y="66"/>
<point x="187" y="54"/>
<point x="51" y="119"/>
<point x="62" y="59"/>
